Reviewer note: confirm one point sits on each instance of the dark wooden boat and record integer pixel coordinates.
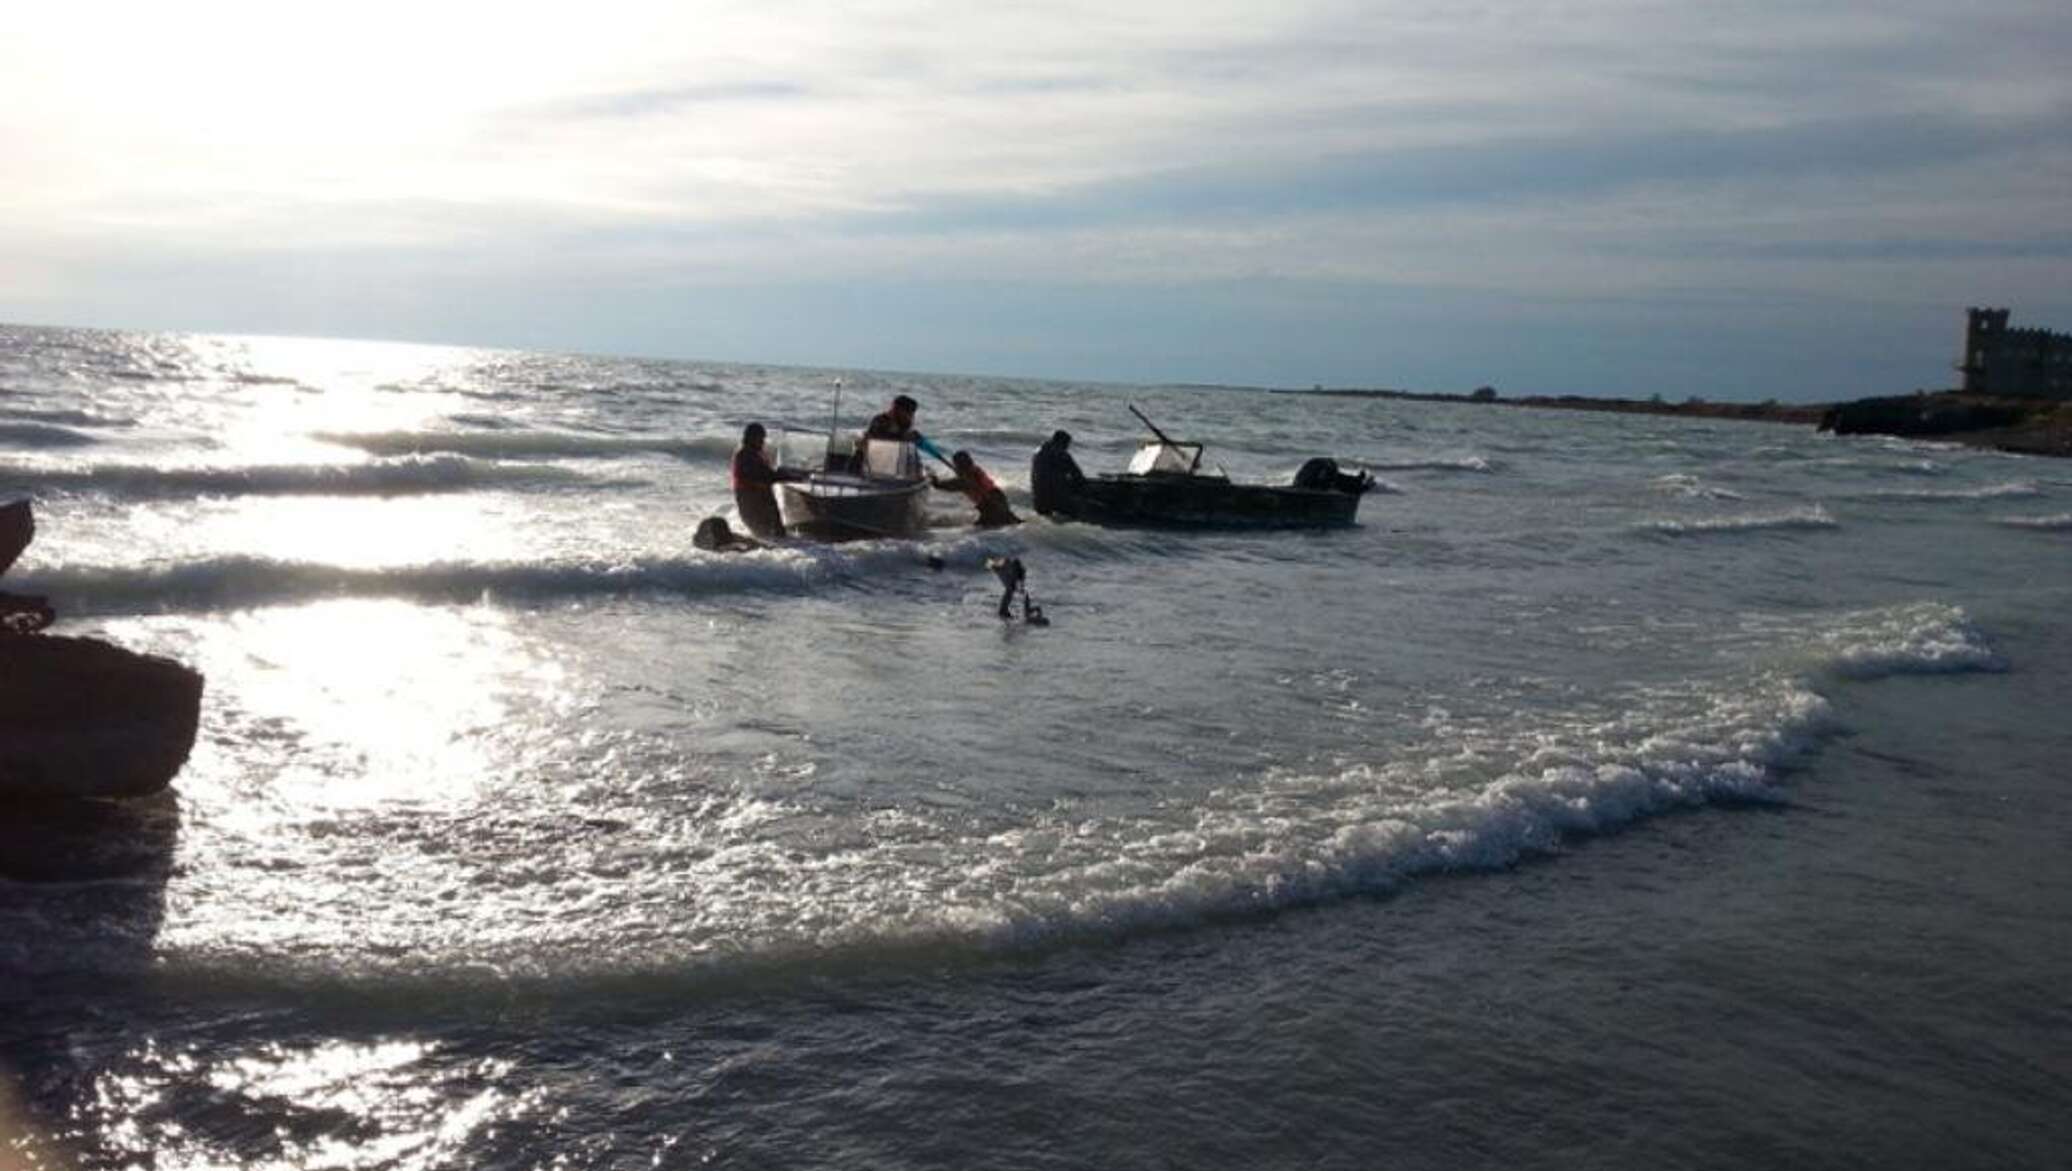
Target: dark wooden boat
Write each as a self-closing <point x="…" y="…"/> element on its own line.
<point x="1165" y="486"/>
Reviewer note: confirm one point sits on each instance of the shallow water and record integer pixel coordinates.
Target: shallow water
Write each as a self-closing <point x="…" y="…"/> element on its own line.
<point x="1621" y="790"/>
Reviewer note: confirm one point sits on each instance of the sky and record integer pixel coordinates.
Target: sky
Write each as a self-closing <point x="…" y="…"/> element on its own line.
<point x="1736" y="199"/>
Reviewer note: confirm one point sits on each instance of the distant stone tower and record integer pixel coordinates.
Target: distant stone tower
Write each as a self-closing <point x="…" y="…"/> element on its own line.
<point x="2025" y="363"/>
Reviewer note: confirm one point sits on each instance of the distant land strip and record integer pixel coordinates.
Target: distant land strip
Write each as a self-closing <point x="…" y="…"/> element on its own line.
<point x="2023" y="425"/>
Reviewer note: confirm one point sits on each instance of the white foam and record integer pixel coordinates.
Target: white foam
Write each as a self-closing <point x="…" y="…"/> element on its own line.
<point x="1811" y="517"/>
<point x="1465" y="463"/>
<point x="1476" y="797"/>
<point x="2055" y="521"/>
<point x="1691" y="486"/>
<point x="1923" y="638"/>
<point x="2011" y="488"/>
<point x="739" y="888"/>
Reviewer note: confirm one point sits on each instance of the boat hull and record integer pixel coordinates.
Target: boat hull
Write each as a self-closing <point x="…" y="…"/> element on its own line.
<point x="1177" y="501"/>
<point x="837" y="507"/>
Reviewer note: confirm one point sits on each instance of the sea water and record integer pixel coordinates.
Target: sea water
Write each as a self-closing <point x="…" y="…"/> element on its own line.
<point x="1620" y="791"/>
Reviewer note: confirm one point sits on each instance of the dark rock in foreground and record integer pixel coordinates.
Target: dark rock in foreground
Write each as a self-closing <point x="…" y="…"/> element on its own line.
<point x="83" y="718"/>
<point x="68" y="839"/>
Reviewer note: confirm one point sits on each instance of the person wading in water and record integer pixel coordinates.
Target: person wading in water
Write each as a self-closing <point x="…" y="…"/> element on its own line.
<point x="755" y="484"/>
<point x="973" y="481"/>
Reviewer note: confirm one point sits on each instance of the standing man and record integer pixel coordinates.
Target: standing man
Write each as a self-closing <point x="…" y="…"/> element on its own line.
<point x="755" y="484"/>
<point x="895" y="423"/>
<point x="1054" y="476"/>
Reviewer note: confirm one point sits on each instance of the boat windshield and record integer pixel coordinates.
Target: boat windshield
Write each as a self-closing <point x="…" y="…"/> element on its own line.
<point x="1153" y="456"/>
<point x="813" y="451"/>
<point x="891" y="459"/>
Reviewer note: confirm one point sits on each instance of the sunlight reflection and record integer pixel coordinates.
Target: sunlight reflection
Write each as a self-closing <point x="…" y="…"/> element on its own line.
<point x="381" y="701"/>
<point x="279" y="1107"/>
<point x="362" y="533"/>
<point x="292" y="388"/>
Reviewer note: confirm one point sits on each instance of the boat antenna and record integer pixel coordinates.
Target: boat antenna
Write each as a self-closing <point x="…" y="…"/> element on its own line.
<point x="1163" y="437"/>
<point x="834" y="421"/>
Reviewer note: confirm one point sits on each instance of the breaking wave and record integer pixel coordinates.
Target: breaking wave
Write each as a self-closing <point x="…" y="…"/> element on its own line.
<point x="1466" y="794"/>
<point x="2062" y="520"/>
<point x="1465" y="463"/>
<point x="42" y="435"/>
<point x="1691" y="486"/>
<point x="247" y="582"/>
<point x="517" y="444"/>
<point x="1929" y="638"/>
<point x="386" y="477"/>
<point x="1813" y="517"/>
<point x="67" y="418"/>
<point x="1987" y="492"/>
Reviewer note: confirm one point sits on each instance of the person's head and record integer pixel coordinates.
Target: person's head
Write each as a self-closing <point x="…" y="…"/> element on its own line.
<point x="962" y="461"/>
<point x="752" y="436"/>
<point x="1061" y="439"/>
<point x="903" y="409"/>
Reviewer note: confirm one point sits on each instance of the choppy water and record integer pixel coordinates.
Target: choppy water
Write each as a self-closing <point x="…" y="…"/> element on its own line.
<point x="1622" y="791"/>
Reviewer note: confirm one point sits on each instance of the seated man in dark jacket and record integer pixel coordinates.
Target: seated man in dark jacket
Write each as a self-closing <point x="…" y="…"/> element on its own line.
<point x="1054" y="476"/>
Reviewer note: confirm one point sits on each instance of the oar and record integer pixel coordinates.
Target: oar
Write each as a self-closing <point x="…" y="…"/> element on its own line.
<point x="928" y="447"/>
<point x="1164" y="438"/>
<point x="1146" y="420"/>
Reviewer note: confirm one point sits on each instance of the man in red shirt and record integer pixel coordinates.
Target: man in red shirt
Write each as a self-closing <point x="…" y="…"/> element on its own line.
<point x="973" y="481"/>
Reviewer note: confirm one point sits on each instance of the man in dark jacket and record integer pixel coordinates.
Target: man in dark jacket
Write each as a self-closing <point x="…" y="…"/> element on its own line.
<point x="1054" y="476"/>
<point x="755" y="484"/>
<point x="895" y="423"/>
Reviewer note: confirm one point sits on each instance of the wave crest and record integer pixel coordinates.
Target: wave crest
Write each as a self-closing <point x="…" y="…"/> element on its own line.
<point x="246" y="582"/>
<point x="2062" y="520"/>
<point x="2012" y="488"/>
<point x="1465" y="463"/>
<point x="522" y="444"/>
<point x="383" y="477"/>
<point x="1813" y="517"/>
<point x="43" y="435"/>
<point x="1927" y="638"/>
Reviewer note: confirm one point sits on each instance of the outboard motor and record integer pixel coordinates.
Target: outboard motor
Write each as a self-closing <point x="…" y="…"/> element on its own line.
<point x="1322" y="475"/>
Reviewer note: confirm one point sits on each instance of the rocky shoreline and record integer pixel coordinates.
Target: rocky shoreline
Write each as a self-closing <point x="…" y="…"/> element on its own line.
<point x="2023" y="426"/>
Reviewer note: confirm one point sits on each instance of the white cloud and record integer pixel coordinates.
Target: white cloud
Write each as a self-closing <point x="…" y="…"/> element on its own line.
<point x="1612" y="147"/>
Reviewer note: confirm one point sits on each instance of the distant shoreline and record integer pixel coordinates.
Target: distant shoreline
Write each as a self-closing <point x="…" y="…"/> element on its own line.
<point x="2021" y="426"/>
<point x="1766" y="412"/>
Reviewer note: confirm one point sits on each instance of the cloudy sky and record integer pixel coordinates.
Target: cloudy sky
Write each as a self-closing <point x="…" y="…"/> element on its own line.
<point x="1732" y="199"/>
